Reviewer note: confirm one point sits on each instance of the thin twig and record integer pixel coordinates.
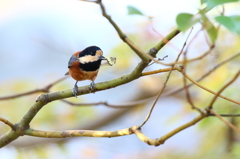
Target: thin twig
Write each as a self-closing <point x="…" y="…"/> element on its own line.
<point x="189" y="60"/>
<point x="163" y="38"/>
<point x="20" y="94"/>
<point x="188" y="96"/>
<point x="223" y="88"/>
<point x="127" y="105"/>
<point x="225" y="121"/>
<point x="165" y="83"/>
<point x="206" y="74"/>
<point x="44" y="89"/>
<point x="89" y="1"/>
<point x="193" y="59"/>
<point x="206" y="89"/>
<point x="159" y="59"/>
<point x="226" y="115"/>
<point x="7" y="122"/>
<point x="159" y="71"/>
<point x="192" y="40"/>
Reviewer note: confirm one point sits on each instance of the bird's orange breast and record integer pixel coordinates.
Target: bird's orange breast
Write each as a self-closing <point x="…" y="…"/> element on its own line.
<point x="80" y="75"/>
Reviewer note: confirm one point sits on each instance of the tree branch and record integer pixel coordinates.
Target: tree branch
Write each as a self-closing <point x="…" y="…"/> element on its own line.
<point x="188" y="96"/>
<point x="7" y="122"/>
<point x="123" y="36"/>
<point x="165" y="83"/>
<point x="225" y="121"/>
<point x="77" y="133"/>
<point x="160" y="71"/>
<point x="206" y="74"/>
<point x="132" y="104"/>
<point x="208" y="90"/>
<point x="146" y="57"/>
<point x="161" y="140"/>
<point x="44" y="89"/>
<point x="222" y="89"/>
<point x="225" y="115"/>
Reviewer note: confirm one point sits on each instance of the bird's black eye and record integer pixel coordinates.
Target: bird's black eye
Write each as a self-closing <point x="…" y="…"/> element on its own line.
<point x="93" y="53"/>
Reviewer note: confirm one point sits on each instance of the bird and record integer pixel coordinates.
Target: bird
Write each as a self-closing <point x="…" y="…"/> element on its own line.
<point x="84" y="65"/>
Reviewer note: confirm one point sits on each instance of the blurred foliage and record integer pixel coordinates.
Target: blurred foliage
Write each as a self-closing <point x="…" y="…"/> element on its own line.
<point x="133" y="11"/>
<point x="230" y="22"/>
<point x="186" y="21"/>
<point x="209" y="27"/>
<point x="214" y="3"/>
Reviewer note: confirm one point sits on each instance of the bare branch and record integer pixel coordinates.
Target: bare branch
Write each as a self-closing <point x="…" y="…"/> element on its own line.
<point x="123" y="36"/>
<point x="159" y="59"/>
<point x="226" y="115"/>
<point x="165" y="83"/>
<point x="160" y="71"/>
<point x="44" y="89"/>
<point x="223" y="88"/>
<point x="188" y="96"/>
<point x="225" y="121"/>
<point x="77" y="133"/>
<point x="206" y="74"/>
<point x="161" y="140"/>
<point x="89" y="1"/>
<point x="206" y="89"/>
<point x="7" y="122"/>
<point x="163" y="38"/>
<point x="130" y="104"/>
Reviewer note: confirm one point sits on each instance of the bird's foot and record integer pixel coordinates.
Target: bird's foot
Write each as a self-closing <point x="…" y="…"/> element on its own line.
<point x="92" y="87"/>
<point x="75" y="90"/>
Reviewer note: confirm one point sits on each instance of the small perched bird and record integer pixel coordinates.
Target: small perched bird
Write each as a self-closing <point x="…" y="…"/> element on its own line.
<point x="84" y="65"/>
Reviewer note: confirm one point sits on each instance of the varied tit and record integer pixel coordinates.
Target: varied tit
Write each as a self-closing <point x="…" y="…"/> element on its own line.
<point x="84" y="65"/>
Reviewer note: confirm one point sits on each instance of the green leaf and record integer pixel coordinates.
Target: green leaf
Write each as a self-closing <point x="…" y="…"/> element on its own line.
<point x="186" y="21"/>
<point x="212" y="32"/>
<point x="230" y="22"/>
<point x="203" y="1"/>
<point x="214" y="3"/>
<point x="209" y="27"/>
<point x="133" y="11"/>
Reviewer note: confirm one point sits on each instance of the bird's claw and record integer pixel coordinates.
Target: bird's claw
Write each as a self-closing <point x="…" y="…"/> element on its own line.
<point x="92" y="87"/>
<point x="75" y="90"/>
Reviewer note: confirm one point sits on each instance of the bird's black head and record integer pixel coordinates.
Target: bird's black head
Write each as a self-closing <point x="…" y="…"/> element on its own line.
<point x="91" y="50"/>
<point x="90" y="54"/>
<point x="90" y="58"/>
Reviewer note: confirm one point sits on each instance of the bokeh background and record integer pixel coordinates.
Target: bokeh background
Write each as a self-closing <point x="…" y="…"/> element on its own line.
<point x="37" y="38"/>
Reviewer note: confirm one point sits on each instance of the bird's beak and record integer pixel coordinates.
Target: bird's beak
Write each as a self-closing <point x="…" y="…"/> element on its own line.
<point x="102" y="58"/>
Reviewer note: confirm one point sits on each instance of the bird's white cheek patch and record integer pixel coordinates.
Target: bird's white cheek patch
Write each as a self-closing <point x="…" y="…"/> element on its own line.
<point x="87" y="59"/>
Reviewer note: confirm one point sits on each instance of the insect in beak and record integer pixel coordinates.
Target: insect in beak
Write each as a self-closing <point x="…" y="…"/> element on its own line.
<point x="102" y="58"/>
